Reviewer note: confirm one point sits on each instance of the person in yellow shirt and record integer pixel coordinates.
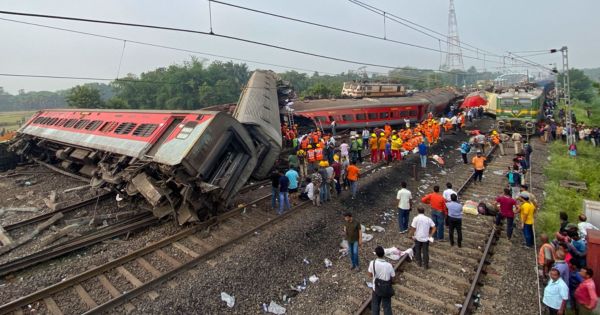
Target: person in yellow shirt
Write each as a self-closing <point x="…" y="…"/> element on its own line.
<point x="478" y="165"/>
<point x="396" y="146"/>
<point x="527" y="209"/>
<point x="373" y="147"/>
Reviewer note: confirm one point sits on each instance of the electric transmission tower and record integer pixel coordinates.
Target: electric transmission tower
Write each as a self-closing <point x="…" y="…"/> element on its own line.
<point x="454" y="59"/>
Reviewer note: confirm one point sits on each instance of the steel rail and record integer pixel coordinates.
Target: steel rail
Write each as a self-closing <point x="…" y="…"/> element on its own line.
<point x="46" y="216"/>
<point x="129" y="225"/>
<point x="58" y="287"/>
<point x="48" y="291"/>
<point x="367" y="303"/>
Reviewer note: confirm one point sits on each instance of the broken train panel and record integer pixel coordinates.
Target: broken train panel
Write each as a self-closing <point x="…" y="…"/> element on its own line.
<point x="184" y="163"/>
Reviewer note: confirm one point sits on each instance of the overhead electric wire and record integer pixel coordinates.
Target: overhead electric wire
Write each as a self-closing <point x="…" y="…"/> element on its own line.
<point x="149" y="26"/>
<point x="349" y="31"/>
<point x="388" y="14"/>
<point x="185" y="50"/>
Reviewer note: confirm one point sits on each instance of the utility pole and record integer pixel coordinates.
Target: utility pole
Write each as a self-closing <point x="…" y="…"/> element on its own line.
<point x="567" y="91"/>
<point x="454" y="58"/>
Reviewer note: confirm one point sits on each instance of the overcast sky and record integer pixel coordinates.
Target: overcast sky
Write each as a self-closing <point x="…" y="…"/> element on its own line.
<point x="495" y="26"/>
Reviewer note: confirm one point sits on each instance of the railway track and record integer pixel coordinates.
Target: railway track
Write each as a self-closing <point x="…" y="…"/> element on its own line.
<point x="453" y="284"/>
<point x="142" y="270"/>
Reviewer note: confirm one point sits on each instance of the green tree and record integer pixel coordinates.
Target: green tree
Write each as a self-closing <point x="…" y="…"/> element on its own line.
<point x="581" y="85"/>
<point x="83" y="96"/>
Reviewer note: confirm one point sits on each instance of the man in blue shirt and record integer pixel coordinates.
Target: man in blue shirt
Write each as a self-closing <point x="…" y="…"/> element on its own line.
<point x="556" y="293"/>
<point x="455" y="219"/>
<point x="423" y="154"/>
<point x="292" y="176"/>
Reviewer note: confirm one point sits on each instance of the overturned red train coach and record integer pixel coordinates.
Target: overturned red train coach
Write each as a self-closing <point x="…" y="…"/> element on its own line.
<point x="373" y="112"/>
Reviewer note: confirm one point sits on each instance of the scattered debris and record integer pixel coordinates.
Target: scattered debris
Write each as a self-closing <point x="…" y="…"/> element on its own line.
<point x="327" y="263"/>
<point x="377" y="228"/>
<point x="18" y="209"/>
<point x="5" y="239"/>
<point x="367" y="237"/>
<point x="230" y="300"/>
<point x="313" y="278"/>
<point x="276" y="308"/>
<point x="305" y="261"/>
<point x="30" y="236"/>
<point x="66" y="191"/>
<point x="59" y="234"/>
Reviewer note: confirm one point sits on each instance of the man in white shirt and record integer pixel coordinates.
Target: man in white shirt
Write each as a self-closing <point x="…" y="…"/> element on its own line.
<point x="421" y="230"/>
<point x="404" y="198"/>
<point x="310" y="191"/>
<point x="344" y="149"/>
<point x="448" y="192"/>
<point x="407" y="123"/>
<point x="383" y="270"/>
<point x="516" y="138"/>
<point x="583" y="226"/>
<point x="333" y="124"/>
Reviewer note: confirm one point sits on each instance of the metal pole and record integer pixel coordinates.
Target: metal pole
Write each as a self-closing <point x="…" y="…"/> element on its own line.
<point x="566" y="88"/>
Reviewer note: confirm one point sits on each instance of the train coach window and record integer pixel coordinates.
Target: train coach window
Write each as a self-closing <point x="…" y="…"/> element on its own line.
<point x="412" y="113"/>
<point x="38" y="120"/>
<point x="404" y="113"/>
<point x="109" y="126"/>
<point x="70" y="123"/>
<point x="80" y="124"/>
<point x="372" y="115"/>
<point x="52" y="121"/>
<point x="361" y="117"/>
<point x="93" y="125"/>
<point x="186" y="130"/>
<point x="384" y="115"/>
<point x="145" y="130"/>
<point x="320" y="118"/>
<point x="125" y="128"/>
<point x="60" y="122"/>
<point x="347" y="117"/>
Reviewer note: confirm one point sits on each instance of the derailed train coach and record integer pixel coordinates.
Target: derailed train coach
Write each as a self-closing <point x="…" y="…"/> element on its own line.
<point x="185" y="163"/>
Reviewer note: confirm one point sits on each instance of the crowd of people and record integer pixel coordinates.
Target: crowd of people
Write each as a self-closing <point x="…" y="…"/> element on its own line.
<point x="321" y="168"/>
<point x="563" y="265"/>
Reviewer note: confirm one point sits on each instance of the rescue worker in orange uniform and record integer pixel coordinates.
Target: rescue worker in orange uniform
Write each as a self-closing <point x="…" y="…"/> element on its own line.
<point x="428" y="130"/>
<point x="310" y="158"/>
<point x="387" y="130"/>
<point x="319" y="153"/>
<point x="373" y="146"/>
<point x="437" y="130"/>
<point x="304" y="143"/>
<point x="381" y="146"/>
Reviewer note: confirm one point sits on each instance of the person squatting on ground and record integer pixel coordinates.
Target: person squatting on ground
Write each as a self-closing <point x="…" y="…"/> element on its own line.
<point x="383" y="275"/>
<point x="422" y="229"/>
<point x="404" y="197"/>
<point x="438" y="211"/>
<point x="455" y="219"/>
<point x="354" y="237"/>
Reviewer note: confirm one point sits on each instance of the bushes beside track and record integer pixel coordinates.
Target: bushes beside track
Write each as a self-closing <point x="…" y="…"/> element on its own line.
<point x="585" y="168"/>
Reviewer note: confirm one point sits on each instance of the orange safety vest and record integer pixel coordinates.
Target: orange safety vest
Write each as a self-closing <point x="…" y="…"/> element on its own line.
<point x="319" y="154"/>
<point x="388" y="130"/>
<point x="373" y="143"/>
<point x="382" y="141"/>
<point x="315" y="138"/>
<point x="495" y="139"/>
<point x="311" y="155"/>
<point x="304" y="143"/>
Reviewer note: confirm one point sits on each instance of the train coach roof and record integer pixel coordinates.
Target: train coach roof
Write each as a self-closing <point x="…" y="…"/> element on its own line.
<point x="356" y="103"/>
<point x="138" y="111"/>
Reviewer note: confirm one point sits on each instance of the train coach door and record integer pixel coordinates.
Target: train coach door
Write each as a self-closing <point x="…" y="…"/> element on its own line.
<point x="171" y="126"/>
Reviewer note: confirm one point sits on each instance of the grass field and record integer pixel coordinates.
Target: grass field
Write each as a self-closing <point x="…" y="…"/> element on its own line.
<point x="10" y="120"/>
<point x="580" y="112"/>
<point x="585" y="168"/>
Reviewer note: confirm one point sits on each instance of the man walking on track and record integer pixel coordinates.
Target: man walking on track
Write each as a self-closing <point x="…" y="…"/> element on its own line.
<point x="353" y="172"/>
<point x="478" y="165"/>
<point x="455" y="219"/>
<point x="383" y="275"/>
<point x="438" y="211"/>
<point x="516" y="138"/>
<point x="423" y="154"/>
<point x="354" y="238"/>
<point x="508" y="207"/>
<point x="404" y="197"/>
<point x="422" y="229"/>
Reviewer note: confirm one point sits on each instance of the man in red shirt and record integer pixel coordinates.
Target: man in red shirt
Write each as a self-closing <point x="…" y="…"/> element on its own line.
<point x="507" y="211"/>
<point x="438" y="211"/>
<point x="585" y="294"/>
